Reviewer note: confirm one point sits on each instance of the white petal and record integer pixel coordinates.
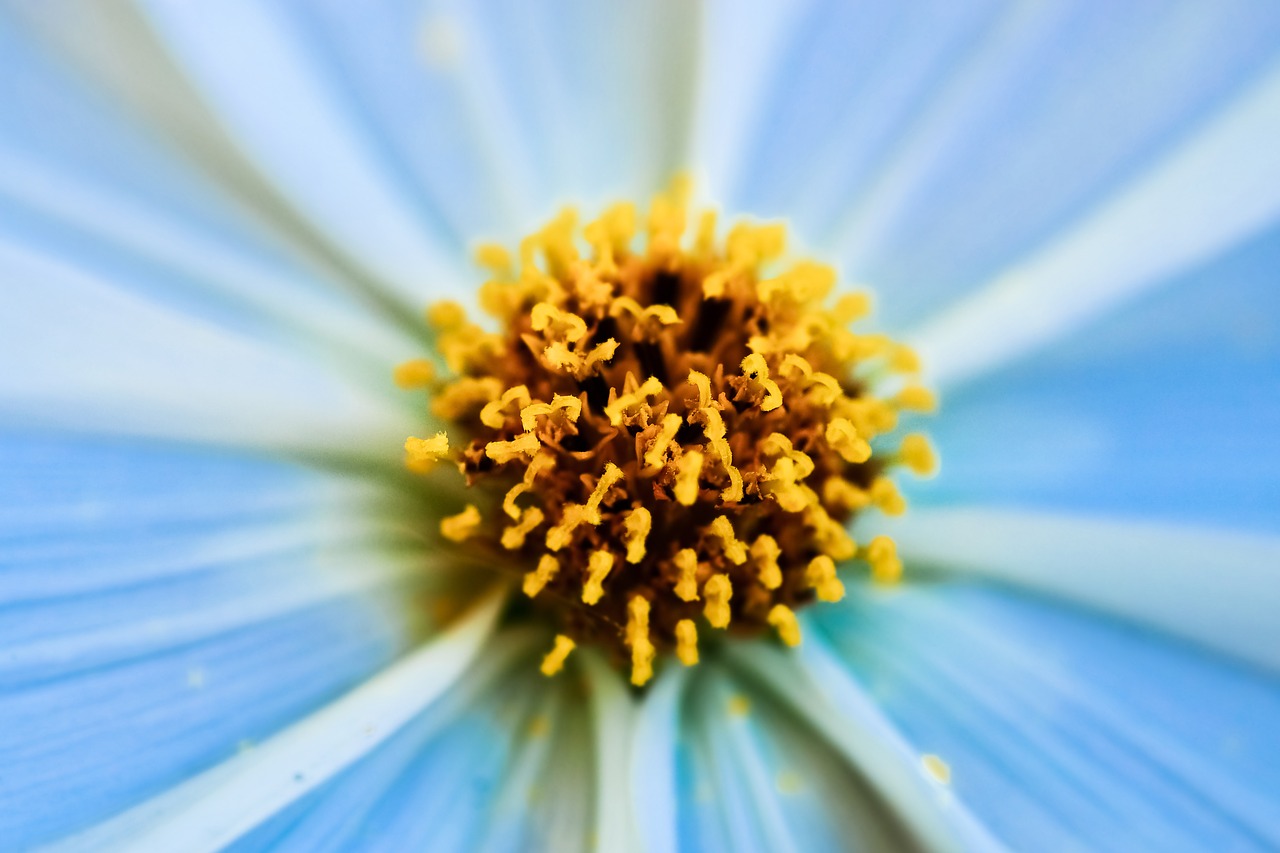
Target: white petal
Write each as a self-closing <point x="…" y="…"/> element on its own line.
<point x="1214" y="191"/>
<point x="1218" y="588"/>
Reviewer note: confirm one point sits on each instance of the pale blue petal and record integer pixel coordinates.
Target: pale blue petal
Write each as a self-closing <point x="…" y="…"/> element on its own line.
<point x="1167" y="410"/>
<point x="81" y="353"/>
<point x="165" y="606"/>
<point x="249" y="62"/>
<point x="933" y="147"/>
<point x="132" y="204"/>
<point x="1221" y="589"/>
<point x="1063" y="728"/>
<point x="500" y="762"/>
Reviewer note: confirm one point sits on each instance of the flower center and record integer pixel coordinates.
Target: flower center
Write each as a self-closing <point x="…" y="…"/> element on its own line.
<point x="669" y="441"/>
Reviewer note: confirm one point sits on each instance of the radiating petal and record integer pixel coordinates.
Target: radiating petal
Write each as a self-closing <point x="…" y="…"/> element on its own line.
<point x="613" y="721"/>
<point x="247" y="61"/>
<point x="215" y="808"/>
<point x="80" y="352"/>
<point x="932" y="146"/>
<point x="1061" y="724"/>
<point x="161" y="605"/>
<point x="752" y="776"/>
<point x="1216" y="189"/>
<point x="161" y="188"/>
<point x="1220" y="589"/>
<point x="1167" y="410"/>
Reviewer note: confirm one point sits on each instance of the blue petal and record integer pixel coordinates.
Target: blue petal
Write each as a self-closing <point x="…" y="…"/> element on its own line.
<point x="933" y="147"/>
<point x="1167" y="410"/>
<point x="165" y="606"/>
<point x="1064" y="728"/>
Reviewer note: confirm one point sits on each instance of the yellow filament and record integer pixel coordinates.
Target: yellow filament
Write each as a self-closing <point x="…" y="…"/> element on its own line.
<point x="494" y="258"/>
<point x="554" y="661"/>
<point x="635" y="528"/>
<point x="686" y="560"/>
<point x="821" y="575"/>
<point x="718" y="590"/>
<point x="783" y="619"/>
<point x="457" y="528"/>
<point x="446" y="315"/>
<point x="536" y="580"/>
<point x="915" y="398"/>
<point x="540" y="463"/>
<point x="687" y="642"/>
<point x="563" y="325"/>
<point x="598" y="566"/>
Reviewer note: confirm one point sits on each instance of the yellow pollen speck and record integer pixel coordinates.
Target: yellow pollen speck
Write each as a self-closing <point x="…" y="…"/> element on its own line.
<point x="457" y="528"/>
<point x="821" y="575"/>
<point x="598" y="567"/>
<point x="417" y="373"/>
<point x="739" y="706"/>
<point x="687" y="642"/>
<point x="718" y="590"/>
<point x="678" y="420"/>
<point x="686" y="561"/>
<point x="535" y="580"/>
<point x="783" y="619"/>
<point x="642" y="650"/>
<point x="938" y="769"/>
<point x="554" y="661"/>
<point x="637" y="525"/>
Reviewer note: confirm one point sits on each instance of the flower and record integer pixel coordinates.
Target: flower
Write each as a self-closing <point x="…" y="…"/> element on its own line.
<point x="221" y="625"/>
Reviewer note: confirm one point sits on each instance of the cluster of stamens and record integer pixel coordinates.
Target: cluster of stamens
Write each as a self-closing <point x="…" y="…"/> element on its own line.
<point x="670" y="440"/>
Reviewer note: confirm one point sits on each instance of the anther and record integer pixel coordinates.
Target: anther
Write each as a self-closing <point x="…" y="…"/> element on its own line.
<point x="554" y="661"/>
<point x="717" y="591"/>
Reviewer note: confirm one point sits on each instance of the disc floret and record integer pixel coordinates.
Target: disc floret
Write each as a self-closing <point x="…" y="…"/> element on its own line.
<point x="670" y="440"/>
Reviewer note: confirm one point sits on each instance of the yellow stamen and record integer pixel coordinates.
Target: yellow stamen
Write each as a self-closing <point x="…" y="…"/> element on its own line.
<point x="915" y="398"/>
<point x="554" y="661"/>
<point x="821" y="575"/>
<point x="526" y="444"/>
<point x="422" y="453"/>
<point x="917" y="455"/>
<point x="885" y="496"/>
<point x="882" y="554"/>
<point x="458" y="528"/>
<point x="844" y="439"/>
<point x="783" y="619"/>
<point x="657" y="453"/>
<point x="765" y="551"/>
<point x="718" y="590"/>
<point x="687" y="474"/>
<point x="513" y="536"/>
<point x="642" y="650"/>
<point x="536" y="580"/>
<point x="687" y="642"/>
<point x="418" y="373"/>
<point x="637" y="526"/>
<point x="722" y="529"/>
<point x="492" y="414"/>
<point x="686" y="561"/>
<point x="598" y="567"/>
